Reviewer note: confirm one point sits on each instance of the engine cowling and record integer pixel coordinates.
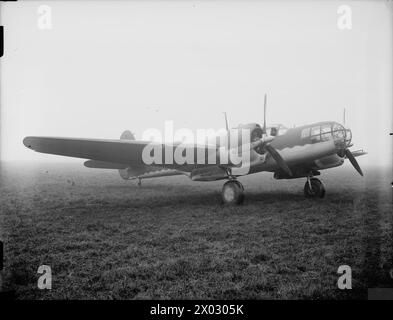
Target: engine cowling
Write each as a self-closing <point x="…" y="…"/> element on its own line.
<point x="256" y="134"/>
<point x="208" y="174"/>
<point x="125" y="174"/>
<point x="296" y="173"/>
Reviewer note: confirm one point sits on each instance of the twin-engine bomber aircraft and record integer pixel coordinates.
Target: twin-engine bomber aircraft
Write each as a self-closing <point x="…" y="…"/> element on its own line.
<point x="288" y="153"/>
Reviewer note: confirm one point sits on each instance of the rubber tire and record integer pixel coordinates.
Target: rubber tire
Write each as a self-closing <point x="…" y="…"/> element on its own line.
<point x="318" y="189"/>
<point x="232" y="193"/>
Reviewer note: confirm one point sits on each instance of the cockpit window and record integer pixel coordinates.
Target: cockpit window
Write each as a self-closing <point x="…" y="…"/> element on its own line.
<point x="348" y="136"/>
<point x="326" y="128"/>
<point x="315" y="131"/>
<point x="326" y="136"/>
<point x="337" y="127"/>
<point x="315" y="134"/>
<point x="276" y="130"/>
<point x="273" y="131"/>
<point x="338" y="132"/>
<point x="305" y="133"/>
<point x="326" y="132"/>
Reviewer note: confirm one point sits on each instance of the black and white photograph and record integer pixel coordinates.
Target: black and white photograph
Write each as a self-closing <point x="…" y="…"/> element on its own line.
<point x="196" y="150"/>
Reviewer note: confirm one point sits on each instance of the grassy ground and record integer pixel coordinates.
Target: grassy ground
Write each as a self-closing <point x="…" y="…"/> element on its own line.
<point x="106" y="238"/>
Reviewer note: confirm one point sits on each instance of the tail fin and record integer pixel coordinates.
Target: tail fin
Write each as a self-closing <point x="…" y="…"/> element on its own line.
<point x="127" y="135"/>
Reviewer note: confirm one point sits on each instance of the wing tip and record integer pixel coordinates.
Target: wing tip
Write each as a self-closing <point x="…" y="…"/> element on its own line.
<point x="27" y="141"/>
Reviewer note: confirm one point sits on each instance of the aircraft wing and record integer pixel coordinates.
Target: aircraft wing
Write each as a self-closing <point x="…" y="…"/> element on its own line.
<point x="105" y="151"/>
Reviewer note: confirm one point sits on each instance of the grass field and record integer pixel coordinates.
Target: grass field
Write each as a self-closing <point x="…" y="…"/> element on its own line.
<point x="106" y="238"/>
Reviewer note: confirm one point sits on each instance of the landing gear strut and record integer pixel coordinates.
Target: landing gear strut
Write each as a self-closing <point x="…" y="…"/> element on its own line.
<point x="314" y="188"/>
<point x="139" y="182"/>
<point x="232" y="192"/>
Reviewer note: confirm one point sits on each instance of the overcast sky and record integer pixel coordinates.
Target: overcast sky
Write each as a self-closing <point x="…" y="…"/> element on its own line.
<point x="107" y="66"/>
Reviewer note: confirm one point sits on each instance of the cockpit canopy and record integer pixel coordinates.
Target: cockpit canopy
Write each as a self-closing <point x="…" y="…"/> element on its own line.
<point x="327" y="131"/>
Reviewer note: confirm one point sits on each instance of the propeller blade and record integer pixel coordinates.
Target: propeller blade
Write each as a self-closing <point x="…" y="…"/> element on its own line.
<point x="228" y="144"/>
<point x="264" y="116"/>
<point x="277" y="157"/>
<point x="352" y="159"/>
<point x="226" y="121"/>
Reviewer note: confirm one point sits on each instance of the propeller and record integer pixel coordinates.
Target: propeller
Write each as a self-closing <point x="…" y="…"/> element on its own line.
<point x="277" y="157"/>
<point x="353" y="161"/>
<point x="349" y="154"/>
<point x="265" y="142"/>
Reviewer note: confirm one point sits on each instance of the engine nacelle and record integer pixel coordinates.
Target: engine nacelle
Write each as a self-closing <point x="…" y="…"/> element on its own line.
<point x="296" y="173"/>
<point x="331" y="161"/>
<point x="208" y="174"/>
<point x="125" y="174"/>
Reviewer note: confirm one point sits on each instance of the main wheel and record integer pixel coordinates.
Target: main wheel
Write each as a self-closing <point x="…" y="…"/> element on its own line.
<point x="316" y="190"/>
<point x="232" y="192"/>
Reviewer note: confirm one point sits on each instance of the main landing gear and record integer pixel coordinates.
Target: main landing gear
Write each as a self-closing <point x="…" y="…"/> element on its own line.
<point x="232" y="192"/>
<point x="314" y="188"/>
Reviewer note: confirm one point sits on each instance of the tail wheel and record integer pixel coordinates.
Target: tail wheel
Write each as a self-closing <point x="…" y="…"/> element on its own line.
<point x="314" y="188"/>
<point x="232" y="192"/>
